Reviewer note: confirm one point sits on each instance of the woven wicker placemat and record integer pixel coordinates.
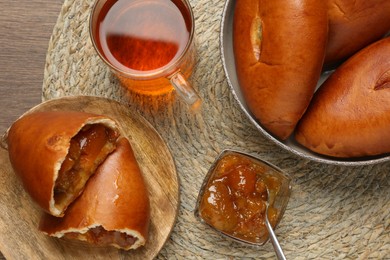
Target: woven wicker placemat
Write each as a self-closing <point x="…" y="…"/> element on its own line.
<point x="334" y="212"/>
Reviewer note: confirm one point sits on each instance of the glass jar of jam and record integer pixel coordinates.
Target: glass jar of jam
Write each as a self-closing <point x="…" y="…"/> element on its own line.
<point x="233" y="197"/>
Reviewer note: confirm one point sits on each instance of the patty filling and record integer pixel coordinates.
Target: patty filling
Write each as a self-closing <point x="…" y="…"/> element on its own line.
<point x="88" y="149"/>
<point x="100" y="236"/>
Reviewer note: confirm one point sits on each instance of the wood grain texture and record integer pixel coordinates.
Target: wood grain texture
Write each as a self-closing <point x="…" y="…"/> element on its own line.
<point x="19" y="226"/>
<point x="25" y="30"/>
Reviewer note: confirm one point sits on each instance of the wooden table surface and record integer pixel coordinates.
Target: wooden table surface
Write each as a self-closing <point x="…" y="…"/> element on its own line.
<point x="25" y="30"/>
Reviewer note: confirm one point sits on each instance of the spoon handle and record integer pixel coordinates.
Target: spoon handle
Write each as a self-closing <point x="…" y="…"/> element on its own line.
<point x="274" y="241"/>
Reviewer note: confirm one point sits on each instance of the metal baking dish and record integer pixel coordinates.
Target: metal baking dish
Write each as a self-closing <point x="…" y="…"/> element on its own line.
<point x="226" y="48"/>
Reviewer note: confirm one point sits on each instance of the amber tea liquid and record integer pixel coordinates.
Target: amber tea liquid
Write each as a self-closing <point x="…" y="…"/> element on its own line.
<point x="139" y="36"/>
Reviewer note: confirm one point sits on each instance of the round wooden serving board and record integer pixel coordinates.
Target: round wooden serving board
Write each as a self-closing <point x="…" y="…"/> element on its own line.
<point x="20" y="238"/>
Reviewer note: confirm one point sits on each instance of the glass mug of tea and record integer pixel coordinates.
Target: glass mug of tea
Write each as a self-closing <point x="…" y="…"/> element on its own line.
<point x="148" y="44"/>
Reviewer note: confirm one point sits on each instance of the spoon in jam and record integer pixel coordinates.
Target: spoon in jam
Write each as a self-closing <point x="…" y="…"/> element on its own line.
<point x="241" y="196"/>
<point x="272" y="236"/>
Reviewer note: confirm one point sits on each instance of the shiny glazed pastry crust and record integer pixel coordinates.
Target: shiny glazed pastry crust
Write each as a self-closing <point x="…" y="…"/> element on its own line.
<point x="113" y="209"/>
<point x="354" y="25"/>
<point x="279" y="48"/>
<point x="38" y="145"/>
<point x="350" y="114"/>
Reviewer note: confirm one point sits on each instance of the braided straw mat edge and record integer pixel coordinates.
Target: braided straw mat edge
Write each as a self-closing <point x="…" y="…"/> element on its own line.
<point x="334" y="212"/>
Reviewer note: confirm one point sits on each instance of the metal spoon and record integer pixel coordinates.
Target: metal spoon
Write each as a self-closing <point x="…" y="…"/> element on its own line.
<point x="274" y="240"/>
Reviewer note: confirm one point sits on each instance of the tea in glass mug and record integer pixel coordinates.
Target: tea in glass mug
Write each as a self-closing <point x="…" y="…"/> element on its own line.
<point x="148" y="44"/>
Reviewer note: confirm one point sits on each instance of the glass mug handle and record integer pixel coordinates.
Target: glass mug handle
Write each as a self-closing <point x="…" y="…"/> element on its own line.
<point x="184" y="88"/>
